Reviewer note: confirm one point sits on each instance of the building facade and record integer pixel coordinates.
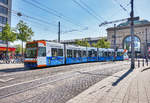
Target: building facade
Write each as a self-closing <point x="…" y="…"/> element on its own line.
<point x="5" y="12"/>
<point x="123" y="36"/>
<point x="5" y="17"/>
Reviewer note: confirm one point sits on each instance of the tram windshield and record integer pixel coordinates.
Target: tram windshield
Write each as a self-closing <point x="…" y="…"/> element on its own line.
<point x="31" y="53"/>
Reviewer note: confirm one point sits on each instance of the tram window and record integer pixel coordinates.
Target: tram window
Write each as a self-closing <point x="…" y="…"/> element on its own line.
<point x="54" y="52"/>
<point x="42" y="51"/>
<point x="109" y="53"/>
<point x="84" y="53"/>
<point x="113" y="53"/>
<point x="100" y="53"/>
<point x="75" y="53"/>
<point x="79" y="53"/>
<point x="119" y="53"/>
<point x="105" y="54"/>
<point x="60" y="52"/>
<point x="69" y="53"/>
<point x="89" y="53"/>
<point x="94" y="53"/>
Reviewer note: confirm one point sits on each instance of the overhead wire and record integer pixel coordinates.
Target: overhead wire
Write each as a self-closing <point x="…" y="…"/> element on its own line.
<point x="50" y="11"/>
<point x="88" y="7"/>
<point x="33" y="18"/>
<point x="123" y="8"/>
<point x="37" y="19"/>
<point x="85" y="9"/>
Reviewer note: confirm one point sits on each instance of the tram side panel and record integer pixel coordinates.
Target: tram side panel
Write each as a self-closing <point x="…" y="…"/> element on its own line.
<point x="92" y="54"/>
<point x="55" y="54"/>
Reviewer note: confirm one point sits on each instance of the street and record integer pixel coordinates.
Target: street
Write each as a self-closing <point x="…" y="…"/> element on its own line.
<point x="53" y="84"/>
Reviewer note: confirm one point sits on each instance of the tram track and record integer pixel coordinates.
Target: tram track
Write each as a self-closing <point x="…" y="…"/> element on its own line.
<point x="38" y="73"/>
<point x="49" y="95"/>
<point x="69" y="75"/>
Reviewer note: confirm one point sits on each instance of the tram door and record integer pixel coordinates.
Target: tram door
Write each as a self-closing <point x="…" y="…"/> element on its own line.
<point x="41" y="58"/>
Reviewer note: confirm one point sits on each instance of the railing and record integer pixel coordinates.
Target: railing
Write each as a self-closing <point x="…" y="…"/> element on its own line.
<point x="14" y="60"/>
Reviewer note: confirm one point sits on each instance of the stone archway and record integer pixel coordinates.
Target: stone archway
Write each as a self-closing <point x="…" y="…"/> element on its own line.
<point x="137" y="44"/>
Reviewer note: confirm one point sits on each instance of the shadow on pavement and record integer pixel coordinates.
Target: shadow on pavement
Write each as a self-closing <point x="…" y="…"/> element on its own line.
<point x="145" y="69"/>
<point x="15" y="69"/>
<point x="122" y="77"/>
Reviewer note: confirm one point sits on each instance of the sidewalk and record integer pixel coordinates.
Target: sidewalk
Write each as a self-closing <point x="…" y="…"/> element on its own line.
<point x="122" y="87"/>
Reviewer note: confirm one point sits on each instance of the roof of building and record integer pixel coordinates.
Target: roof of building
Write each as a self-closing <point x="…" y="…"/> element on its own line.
<point x="136" y="22"/>
<point x="126" y="25"/>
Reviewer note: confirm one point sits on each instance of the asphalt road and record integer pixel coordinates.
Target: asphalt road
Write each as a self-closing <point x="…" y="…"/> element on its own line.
<point x="53" y="84"/>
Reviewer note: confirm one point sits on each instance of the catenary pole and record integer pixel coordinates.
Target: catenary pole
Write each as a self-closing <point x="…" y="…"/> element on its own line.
<point x="59" y="31"/>
<point x="115" y="41"/>
<point x="132" y="35"/>
<point x="146" y="44"/>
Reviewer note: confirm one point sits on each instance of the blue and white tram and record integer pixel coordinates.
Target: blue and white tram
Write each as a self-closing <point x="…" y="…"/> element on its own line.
<point x="43" y="53"/>
<point x="75" y="54"/>
<point x="110" y="54"/>
<point x="54" y="54"/>
<point x="102" y="54"/>
<point x="92" y="54"/>
<point x="120" y="55"/>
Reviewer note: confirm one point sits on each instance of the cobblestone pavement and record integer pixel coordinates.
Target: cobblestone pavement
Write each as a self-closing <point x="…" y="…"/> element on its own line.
<point x="54" y="84"/>
<point x="132" y="86"/>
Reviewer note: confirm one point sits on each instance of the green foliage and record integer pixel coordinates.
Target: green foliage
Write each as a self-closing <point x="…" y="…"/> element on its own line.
<point x="24" y="32"/>
<point x="102" y="43"/>
<point x="7" y="34"/>
<point x="82" y="43"/>
<point x="94" y="45"/>
<point x="18" y="49"/>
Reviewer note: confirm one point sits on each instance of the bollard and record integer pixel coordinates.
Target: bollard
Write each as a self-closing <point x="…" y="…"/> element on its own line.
<point x="143" y="62"/>
<point x="138" y="63"/>
<point x="147" y="61"/>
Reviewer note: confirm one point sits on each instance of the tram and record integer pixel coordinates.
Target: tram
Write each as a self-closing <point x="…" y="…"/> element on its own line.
<point x="43" y="53"/>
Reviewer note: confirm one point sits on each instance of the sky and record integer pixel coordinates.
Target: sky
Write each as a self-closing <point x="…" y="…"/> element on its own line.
<point x="75" y="21"/>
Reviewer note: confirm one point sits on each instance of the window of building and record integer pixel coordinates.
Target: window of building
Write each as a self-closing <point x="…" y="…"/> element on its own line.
<point x="3" y="10"/>
<point x="1" y="28"/>
<point x="3" y="20"/>
<point x="4" y="1"/>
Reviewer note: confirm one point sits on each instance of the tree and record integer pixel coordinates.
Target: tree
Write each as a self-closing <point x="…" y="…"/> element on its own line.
<point x="18" y="49"/>
<point x="102" y="43"/>
<point x="24" y="32"/>
<point x="82" y="43"/>
<point x="94" y="45"/>
<point x="7" y="35"/>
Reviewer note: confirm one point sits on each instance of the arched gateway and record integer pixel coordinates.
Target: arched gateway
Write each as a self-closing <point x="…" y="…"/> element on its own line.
<point x="123" y="38"/>
<point x="137" y="45"/>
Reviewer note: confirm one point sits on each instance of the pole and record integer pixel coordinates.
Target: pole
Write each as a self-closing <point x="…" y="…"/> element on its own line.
<point x="115" y="41"/>
<point x="59" y="31"/>
<point x="132" y="35"/>
<point x="146" y="43"/>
